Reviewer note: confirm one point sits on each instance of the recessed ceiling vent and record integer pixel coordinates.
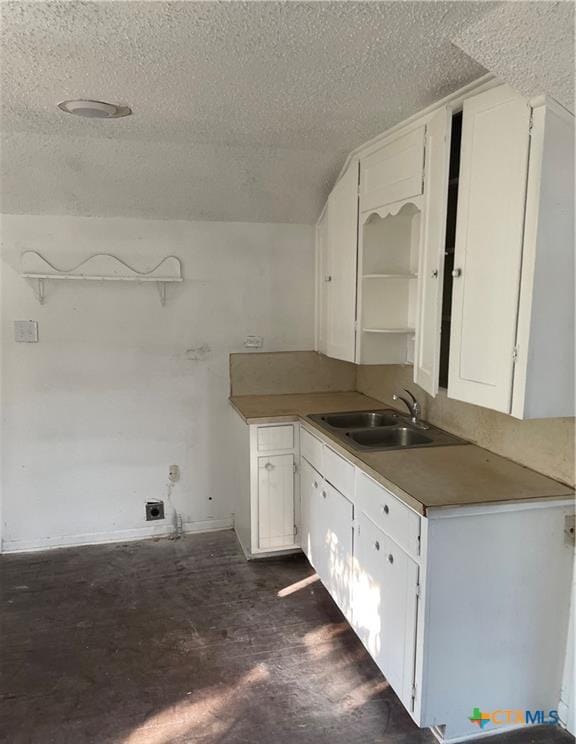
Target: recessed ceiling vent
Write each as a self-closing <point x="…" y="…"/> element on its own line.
<point x="94" y="109"/>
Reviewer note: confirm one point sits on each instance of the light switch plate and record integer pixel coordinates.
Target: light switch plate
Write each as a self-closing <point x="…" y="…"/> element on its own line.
<point x="26" y="331"/>
<point x="254" y="342"/>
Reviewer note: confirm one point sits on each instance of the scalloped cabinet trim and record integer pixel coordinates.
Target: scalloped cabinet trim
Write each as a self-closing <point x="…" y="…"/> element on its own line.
<point x="100" y="267"/>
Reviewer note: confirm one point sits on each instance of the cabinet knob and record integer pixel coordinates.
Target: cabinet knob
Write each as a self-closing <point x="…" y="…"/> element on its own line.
<point x="390" y="558"/>
<point x="328" y="278"/>
<point x="324" y="494"/>
<point x="456" y="273"/>
<point x="315" y="484"/>
<point x="377" y="545"/>
<point x="385" y="509"/>
<point x="435" y="274"/>
<point x="269" y="466"/>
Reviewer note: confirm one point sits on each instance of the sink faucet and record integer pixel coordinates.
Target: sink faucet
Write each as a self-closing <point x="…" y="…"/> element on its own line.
<point x="413" y="407"/>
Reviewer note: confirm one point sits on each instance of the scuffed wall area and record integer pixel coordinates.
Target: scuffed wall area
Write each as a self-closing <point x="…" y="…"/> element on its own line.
<point x="119" y="388"/>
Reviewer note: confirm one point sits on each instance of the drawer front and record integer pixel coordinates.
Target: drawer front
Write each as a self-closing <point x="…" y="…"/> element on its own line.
<point x="272" y="438"/>
<point x="339" y="472"/>
<point x="389" y="513"/>
<point x="311" y="449"/>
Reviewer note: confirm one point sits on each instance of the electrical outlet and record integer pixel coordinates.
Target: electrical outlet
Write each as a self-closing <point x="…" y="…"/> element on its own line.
<point x="154" y="510"/>
<point x="26" y="331"/>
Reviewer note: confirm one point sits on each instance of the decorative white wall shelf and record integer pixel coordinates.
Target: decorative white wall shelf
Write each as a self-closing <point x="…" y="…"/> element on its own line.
<point x="102" y="267"/>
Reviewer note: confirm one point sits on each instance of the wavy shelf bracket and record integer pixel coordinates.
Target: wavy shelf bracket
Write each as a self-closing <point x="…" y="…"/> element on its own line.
<point x="101" y="267"/>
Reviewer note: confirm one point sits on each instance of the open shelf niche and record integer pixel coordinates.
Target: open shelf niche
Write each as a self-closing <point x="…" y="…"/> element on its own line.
<point x="389" y="247"/>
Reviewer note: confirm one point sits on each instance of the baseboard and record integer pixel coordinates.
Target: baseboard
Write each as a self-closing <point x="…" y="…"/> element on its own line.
<point x="99" y="538"/>
<point x="475" y="736"/>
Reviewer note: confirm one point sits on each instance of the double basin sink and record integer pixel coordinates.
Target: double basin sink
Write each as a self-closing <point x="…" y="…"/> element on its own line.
<point x="382" y="430"/>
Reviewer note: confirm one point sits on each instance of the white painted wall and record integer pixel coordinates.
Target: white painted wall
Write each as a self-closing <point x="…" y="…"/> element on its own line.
<point x="114" y="393"/>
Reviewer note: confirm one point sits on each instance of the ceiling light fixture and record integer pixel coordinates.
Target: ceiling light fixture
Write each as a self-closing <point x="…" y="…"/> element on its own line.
<point x="94" y="109"/>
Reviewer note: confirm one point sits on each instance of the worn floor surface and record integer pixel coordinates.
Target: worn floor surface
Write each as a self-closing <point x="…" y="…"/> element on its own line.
<point x="165" y="642"/>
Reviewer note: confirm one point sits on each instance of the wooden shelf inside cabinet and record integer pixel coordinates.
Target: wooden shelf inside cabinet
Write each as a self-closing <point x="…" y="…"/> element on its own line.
<point x="396" y="275"/>
<point x="389" y="330"/>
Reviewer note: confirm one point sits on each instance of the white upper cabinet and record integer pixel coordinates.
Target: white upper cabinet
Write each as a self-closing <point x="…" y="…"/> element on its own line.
<point x="512" y="339"/>
<point x="338" y="253"/>
<point x="451" y="246"/>
<point x="394" y="172"/>
<point x="488" y="255"/>
<point x="431" y="265"/>
<point x="544" y="371"/>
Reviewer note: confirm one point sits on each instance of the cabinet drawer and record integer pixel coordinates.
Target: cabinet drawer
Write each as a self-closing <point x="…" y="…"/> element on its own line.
<point x="271" y="438"/>
<point x="339" y="472"/>
<point x="311" y="449"/>
<point x="388" y="513"/>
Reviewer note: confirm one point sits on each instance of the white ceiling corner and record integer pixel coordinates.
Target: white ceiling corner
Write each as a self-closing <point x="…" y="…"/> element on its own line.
<point x="530" y="45"/>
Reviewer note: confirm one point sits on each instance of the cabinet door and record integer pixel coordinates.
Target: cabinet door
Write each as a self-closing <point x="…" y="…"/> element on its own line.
<point x="488" y="254"/>
<point x="322" y="286"/>
<point x="340" y="272"/>
<point x="431" y="264"/>
<point x="276" y="508"/>
<point x="385" y="606"/>
<point x="394" y="172"/>
<point x="310" y="487"/>
<point x="331" y="528"/>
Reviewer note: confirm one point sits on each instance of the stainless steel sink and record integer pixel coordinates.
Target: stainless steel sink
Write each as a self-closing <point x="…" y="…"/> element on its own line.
<point x="361" y="419"/>
<point x="397" y="436"/>
<point x="380" y="430"/>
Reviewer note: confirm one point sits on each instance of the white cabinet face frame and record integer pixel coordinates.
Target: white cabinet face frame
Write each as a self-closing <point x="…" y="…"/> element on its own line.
<point x="432" y="248"/>
<point x="488" y="255"/>
<point x="322" y="287"/>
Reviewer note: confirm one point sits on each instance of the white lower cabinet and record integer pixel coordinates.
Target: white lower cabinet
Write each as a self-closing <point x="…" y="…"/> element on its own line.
<point x="385" y="605"/>
<point x="276" y="507"/>
<point x="454" y="607"/>
<point x="326" y="534"/>
<point x="332" y="530"/>
<point x="267" y="514"/>
<point x="467" y="606"/>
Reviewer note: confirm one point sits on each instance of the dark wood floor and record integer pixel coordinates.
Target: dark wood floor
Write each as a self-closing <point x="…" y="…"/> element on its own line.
<point x="164" y="642"/>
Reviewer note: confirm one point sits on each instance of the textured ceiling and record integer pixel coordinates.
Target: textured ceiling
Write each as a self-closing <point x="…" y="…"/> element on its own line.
<point x="242" y="111"/>
<point x="544" y="31"/>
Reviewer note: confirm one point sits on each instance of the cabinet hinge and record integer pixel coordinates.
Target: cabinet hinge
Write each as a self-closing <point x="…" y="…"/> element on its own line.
<point x="418" y="545"/>
<point x="515" y="354"/>
<point x="294" y="467"/>
<point x="295" y="530"/>
<point x="413" y="693"/>
<point x="356" y="526"/>
<point x="531" y="123"/>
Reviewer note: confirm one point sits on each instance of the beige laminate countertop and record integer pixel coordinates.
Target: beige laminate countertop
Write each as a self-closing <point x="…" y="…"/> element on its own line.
<point x="461" y="475"/>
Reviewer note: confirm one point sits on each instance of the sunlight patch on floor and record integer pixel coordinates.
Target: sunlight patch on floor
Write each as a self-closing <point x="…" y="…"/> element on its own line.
<point x="297" y="585"/>
<point x="208" y="713"/>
